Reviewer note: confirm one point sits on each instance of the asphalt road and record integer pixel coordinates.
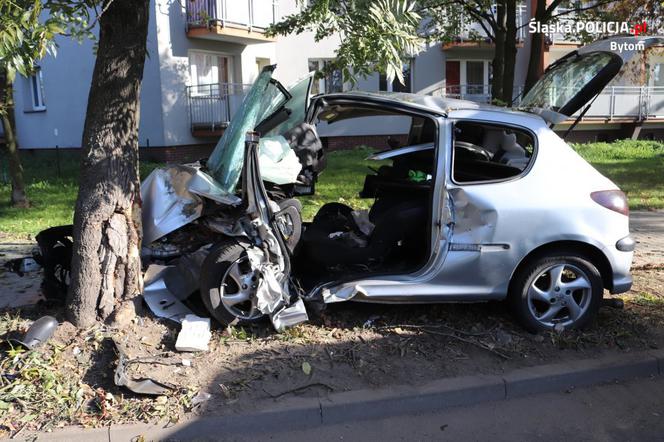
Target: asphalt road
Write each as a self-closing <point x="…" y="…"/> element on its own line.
<point x="618" y="412"/>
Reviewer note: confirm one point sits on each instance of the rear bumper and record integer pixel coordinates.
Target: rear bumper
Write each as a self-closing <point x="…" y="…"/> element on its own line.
<point x="622" y="284"/>
<point x="620" y="256"/>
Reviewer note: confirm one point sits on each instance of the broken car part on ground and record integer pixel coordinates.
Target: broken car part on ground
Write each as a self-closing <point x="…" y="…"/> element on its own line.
<point x="475" y="203"/>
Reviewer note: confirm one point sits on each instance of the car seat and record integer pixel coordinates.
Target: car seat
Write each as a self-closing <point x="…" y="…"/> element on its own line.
<point x="399" y="233"/>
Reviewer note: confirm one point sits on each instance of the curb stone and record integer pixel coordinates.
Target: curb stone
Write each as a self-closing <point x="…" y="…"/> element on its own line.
<point x="301" y="413"/>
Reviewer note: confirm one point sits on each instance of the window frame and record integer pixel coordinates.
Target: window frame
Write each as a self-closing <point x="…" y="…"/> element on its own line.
<point x="194" y="83"/>
<point x="463" y="72"/>
<point x="35" y="83"/>
<point x="322" y="82"/>
<point x="523" y="173"/>
<point x="389" y="86"/>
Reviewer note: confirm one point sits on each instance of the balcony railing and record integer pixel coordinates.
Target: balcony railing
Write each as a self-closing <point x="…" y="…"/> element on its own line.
<point x="211" y="106"/>
<point x="479" y="93"/>
<point x="633" y="102"/>
<point x="470" y="29"/>
<point x="246" y="14"/>
<point x="615" y="102"/>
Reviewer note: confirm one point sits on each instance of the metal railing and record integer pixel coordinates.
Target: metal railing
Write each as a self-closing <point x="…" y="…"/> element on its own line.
<point x="637" y="102"/>
<point x="470" y="29"/>
<point x="633" y="102"/>
<point x="249" y="14"/>
<point x="211" y="106"/>
<point x="479" y="93"/>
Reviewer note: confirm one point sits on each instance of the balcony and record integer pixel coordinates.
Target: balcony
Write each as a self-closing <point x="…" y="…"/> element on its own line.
<point x="211" y="107"/>
<point x="628" y="103"/>
<point x="471" y="34"/>
<point x="239" y="21"/>
<point x="614" y="103"/>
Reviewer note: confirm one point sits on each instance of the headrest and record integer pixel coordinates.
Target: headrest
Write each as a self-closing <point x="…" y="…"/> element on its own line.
<point x="508" y="143"/>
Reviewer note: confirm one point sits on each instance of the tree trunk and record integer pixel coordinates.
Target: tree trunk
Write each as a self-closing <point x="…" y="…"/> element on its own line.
<point x="510" y="52"/>
<point x="18" y="197"/>
<point x="536" y="49"/>
<point x="498" y="63"/>
<point x="107" y="231"/>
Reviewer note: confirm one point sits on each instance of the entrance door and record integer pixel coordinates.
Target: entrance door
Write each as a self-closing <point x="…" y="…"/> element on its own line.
<point x="452" y="78"/>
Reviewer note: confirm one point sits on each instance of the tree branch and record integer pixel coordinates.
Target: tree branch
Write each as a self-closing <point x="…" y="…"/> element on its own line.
<point x="586" y="8"/>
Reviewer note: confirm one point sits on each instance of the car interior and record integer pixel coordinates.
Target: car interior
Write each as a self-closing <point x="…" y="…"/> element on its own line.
<point x="392" y="236"/>
<point x="489" y="152"/>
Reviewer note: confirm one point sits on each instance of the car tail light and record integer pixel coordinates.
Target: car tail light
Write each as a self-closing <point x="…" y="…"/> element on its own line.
<point x="612" y="199"/>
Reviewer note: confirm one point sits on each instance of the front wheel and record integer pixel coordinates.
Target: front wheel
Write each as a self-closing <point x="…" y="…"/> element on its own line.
<point x="228" y="284"/>
<point x="554" y="290"/>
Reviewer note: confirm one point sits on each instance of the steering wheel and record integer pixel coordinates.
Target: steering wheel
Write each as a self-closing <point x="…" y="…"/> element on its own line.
<point x="474" y="149"/>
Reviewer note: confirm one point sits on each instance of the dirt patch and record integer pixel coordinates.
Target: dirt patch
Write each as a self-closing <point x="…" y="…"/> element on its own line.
<point x="351" y="346"/>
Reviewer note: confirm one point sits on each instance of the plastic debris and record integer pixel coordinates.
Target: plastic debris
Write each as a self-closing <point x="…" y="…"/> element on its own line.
<point x="21" y="266"/>
<point x="195" y="334"/>
<point x="289" y="316"/>
<point x="39" y="332"/>
<point x="161" y="301"/>
<point x="201" y="397"/>
<point x="139" y="386"/>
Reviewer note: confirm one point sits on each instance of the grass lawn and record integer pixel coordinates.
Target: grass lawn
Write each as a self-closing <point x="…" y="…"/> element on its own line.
<point x="52" y="193"/>
<point x="637" y="167"/>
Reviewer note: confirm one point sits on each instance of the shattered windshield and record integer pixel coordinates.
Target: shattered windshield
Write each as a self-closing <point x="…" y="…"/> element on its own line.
<point x="298" y="105"/>
<point x="561" y="84"/>
<point x="225" y="162"/>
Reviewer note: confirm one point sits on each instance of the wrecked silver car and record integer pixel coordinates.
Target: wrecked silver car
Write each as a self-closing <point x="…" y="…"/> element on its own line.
<point x="478" y="203"/>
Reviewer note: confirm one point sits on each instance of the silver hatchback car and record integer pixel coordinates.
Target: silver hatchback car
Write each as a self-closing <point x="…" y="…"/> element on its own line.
<point x="474" y="203"/>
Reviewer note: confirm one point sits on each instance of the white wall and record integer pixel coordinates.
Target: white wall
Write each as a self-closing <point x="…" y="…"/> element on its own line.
<point x="66" y="83"/>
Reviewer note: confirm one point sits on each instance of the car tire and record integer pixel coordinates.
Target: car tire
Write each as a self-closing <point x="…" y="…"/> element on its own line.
<point x="557" y="289"/>
<point x="223" y="274"/>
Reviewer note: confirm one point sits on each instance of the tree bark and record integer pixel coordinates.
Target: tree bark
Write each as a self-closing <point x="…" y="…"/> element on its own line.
<point x="510" y="51"/>
<point x="498" y="63"/>
<point x="107" y="230"/>
<point x="536" y="49"/>
<point x="18" y="196"/>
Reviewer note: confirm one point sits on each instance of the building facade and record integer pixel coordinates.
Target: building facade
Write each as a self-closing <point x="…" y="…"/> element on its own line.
<point x="204" y="54"/>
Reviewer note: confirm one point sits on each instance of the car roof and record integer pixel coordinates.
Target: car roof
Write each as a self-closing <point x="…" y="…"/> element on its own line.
<point x="430" y="103"/>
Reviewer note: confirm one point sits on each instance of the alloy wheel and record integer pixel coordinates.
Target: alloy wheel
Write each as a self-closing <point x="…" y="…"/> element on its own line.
<point x="560" y="294"/>
<point x="238" y="289"/>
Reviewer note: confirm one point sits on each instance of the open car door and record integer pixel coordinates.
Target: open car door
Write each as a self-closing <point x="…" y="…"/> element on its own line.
<point x="575" y="80"/>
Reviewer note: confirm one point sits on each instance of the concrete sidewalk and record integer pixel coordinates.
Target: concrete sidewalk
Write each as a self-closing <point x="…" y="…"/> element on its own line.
<point x="303" y="414"/>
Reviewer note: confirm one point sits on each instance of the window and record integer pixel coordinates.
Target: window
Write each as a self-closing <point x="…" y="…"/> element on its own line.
<point x="475" y="77"/>
<point x="208" y="71"/>
<point x="36" y="85"/>
<point x="331" y="82"/>
<point x="490" y="152"/>
<point x="656" y="75"/>
<point x="468" y="79"/>
<point x="395" y="85"/>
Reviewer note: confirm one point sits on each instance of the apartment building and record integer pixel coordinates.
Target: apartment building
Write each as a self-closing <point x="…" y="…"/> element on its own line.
<point x="204" y="54"/>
